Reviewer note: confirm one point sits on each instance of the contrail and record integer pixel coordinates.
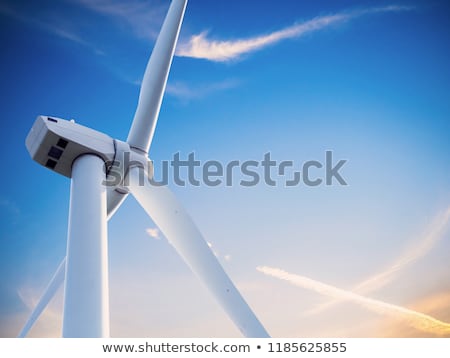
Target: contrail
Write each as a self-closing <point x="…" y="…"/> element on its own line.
<point x="377" y="281"/>
<point x="415" y="319"/>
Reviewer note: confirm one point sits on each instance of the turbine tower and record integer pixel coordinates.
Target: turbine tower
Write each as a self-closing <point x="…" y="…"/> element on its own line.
<point x="90" y="159"/>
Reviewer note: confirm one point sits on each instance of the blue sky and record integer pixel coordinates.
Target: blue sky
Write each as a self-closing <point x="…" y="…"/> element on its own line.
<point x="368" y="80"/>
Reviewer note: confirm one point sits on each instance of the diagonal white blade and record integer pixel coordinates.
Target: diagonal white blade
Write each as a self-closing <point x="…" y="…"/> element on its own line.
<point x="155" y="79"/>
<point x="114" y="200"/>
<point x="181" y="232"/>
<point x="55" y="283"/>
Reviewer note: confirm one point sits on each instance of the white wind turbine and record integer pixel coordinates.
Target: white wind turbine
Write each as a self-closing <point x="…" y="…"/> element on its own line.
<point x="82" y="154"/>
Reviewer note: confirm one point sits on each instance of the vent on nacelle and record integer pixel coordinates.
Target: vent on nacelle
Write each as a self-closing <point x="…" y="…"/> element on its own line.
<point x="62" y="143"/>
<point x="55" y="153"/>
<point x="51" y="164"/>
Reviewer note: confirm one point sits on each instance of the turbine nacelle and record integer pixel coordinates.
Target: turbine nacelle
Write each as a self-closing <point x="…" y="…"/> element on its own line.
<point x="56" y="143"/>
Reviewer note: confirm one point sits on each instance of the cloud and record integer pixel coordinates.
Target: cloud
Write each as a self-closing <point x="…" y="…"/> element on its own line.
<point x="434" y="234"/>
<point x="143" y="17"/>
<point x="154" y="233"/>
<point x="11" y="209"/>
<point x="183" y="91"/>
<point x="226" y="257"/>
<point x="49" y="26"/>
<point x="216" y="254"/>
<point x="419" y="321"/>
<point x="200" y="46"/>
<point x="436" y="304"/>
<point x="50" y="321"/>
<point x="65" y="34"/>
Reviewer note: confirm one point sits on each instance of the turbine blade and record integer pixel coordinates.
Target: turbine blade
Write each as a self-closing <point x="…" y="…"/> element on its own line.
<point x="155" y="79"/>
<point x="55" y="283"/>
<point x="181" y="232"/>
<point x="114" y="200"/>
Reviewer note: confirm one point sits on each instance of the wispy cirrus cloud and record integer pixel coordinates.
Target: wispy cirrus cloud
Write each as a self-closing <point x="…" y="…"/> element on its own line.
<point x="183" y="91"/>
<point x="49" y="25"/>
<point x="187" y="92"/>
<point x="143" y="17"/>
<point x="417" y="320"/>
<point x="10" y="207"/>
<point x="200" y="46"/>
<point x="435" y="304"/>
<point x="434" y="234"/>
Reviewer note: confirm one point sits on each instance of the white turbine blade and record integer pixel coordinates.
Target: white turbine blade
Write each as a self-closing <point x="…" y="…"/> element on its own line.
<point x="181" y="232"/>
<point x="49" y="293"/>
<point x="155" y="79"/>
<point x="114" y="200"/>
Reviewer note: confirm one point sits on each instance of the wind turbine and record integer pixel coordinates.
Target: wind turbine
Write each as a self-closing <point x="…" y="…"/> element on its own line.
<point x="89" y="158"/>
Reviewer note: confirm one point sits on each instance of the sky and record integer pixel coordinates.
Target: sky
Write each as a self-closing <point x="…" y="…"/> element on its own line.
<point x="367" y="80"/>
